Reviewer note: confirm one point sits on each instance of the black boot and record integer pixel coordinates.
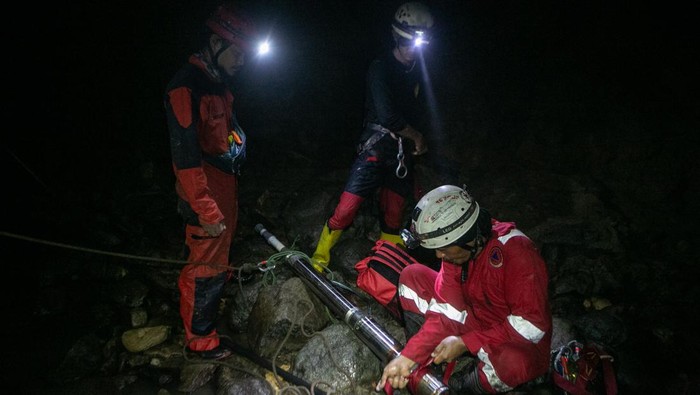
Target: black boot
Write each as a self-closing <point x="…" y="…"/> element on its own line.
<point x="413" y="322"/>
<point x="215" y="354"/>
<point x="466" y="381"/>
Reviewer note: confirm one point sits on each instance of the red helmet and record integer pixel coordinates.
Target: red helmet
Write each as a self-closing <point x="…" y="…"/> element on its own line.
<point x="232" y="25"/>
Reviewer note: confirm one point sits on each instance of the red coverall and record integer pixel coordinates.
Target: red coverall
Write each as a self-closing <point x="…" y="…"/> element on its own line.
<point x="200" y="121"/>
<point x="501" y="311"/>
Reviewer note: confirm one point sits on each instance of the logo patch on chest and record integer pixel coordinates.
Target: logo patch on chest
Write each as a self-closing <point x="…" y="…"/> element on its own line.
<point x="496" y="257"/>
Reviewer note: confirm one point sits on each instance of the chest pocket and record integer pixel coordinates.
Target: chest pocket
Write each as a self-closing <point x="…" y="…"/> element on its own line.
<point x="222" y="140"/>
<point x="215" y="114"/>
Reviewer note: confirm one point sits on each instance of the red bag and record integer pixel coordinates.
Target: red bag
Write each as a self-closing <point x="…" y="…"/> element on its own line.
<point x="378" y="274"/>
<point x="577" y="369"/>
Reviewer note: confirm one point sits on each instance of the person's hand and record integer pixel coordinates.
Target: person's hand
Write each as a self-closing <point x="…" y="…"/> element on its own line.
<point x="419" y="143"/>
<point x="214" y="230"/>
<point x="417" y="137"/>
<point x="449" y="348"/>
<point x="396" y="373"/>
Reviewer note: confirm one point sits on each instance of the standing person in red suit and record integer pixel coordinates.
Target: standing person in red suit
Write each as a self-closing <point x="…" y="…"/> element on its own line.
<point x="208" y="147"/>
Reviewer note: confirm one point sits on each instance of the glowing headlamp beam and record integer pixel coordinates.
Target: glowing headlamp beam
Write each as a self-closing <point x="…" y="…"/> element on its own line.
<point x="263" y="48"/>
<point x="420" y="39"/>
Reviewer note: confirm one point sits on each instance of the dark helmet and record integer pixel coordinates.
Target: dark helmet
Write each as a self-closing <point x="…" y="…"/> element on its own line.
<point x="231" y="24"/>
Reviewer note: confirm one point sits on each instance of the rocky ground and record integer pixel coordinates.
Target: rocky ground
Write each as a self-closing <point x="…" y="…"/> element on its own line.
<point x="615" y="278"/>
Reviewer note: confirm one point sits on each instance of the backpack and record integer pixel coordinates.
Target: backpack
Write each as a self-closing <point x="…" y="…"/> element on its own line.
<point x="583" y="369"/>
<point x="378" y="274"/>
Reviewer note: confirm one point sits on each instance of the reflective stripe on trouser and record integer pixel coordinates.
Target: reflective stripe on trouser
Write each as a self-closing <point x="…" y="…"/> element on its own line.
<point x="201" y="285"/>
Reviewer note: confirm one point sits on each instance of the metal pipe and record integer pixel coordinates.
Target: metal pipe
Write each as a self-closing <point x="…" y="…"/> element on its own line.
<point x="382" y="344"/>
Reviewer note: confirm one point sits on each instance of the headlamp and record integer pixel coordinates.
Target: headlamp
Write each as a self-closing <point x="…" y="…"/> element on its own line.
<point x="409" y="239"/>
<point x="263" y="48"/>
<point x="420" y="39"/>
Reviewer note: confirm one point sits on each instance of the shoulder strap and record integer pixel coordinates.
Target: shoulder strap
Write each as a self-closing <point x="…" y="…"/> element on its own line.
<point x="608" y="372"/>
<point x="389" y="250"/>
<point x="577" y="388"/>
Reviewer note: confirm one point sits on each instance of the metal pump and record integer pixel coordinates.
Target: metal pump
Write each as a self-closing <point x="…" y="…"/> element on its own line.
<point x="382" y="344"/>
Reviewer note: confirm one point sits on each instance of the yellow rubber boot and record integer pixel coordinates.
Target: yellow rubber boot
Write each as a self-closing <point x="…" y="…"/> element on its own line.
<point x="322" y="255"/>
<point x="396" y="239"/>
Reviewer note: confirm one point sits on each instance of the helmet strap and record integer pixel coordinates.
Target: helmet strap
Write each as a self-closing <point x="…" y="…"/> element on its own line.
<point x="217" y="54"/>
<point x="215" y="68"/>
<point x="473" y="250"/>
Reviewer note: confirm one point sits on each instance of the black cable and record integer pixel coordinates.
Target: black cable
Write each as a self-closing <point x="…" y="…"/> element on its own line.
<point x="249" y="354"/>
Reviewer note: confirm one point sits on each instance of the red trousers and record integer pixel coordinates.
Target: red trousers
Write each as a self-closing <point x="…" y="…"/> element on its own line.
<point x="201" y="283"/>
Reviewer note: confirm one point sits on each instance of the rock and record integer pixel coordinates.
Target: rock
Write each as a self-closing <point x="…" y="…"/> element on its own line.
<point x="335" y="355"/>
<point x="282" y="308"/>
<point x="129" y="292"/>
<point x="196" y="375"/>
<point x="563" y="331"/>
<point x="137" y="340"/>
<point x="82" y="359"/>
<point x="139" y="317"/>
<point x="603" y="327"/>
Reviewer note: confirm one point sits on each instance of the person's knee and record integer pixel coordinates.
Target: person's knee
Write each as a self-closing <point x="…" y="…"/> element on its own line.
<point x="515" y="365"/>
<point x="412" y="274"/>
<point x="345" y="212"/>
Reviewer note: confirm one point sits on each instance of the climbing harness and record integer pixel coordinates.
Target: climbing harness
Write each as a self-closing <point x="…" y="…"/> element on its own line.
<point x="380" y="131"/>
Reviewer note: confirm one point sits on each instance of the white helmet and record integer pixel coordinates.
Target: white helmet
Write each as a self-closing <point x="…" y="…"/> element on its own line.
<point x="413" y="21"/>
<point x="441" y="217"/>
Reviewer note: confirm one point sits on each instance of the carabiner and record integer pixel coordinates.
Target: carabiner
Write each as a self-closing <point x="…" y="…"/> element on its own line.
<point x="263" y="266"/>
<point x="401" y="170"/>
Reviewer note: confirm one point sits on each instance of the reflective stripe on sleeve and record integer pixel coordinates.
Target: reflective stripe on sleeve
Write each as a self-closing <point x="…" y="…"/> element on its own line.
<point x="513" y="233"/>
<point x="525" y="328"/>
<point x="448" y="311"/>
<point x="407" y="293"/>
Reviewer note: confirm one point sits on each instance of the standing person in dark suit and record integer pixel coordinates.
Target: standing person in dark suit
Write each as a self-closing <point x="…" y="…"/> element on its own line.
<point x="395" y="114"/>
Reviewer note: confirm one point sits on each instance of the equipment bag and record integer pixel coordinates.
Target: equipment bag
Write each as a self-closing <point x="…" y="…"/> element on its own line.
<point x="378" y="274"/>
<point x="580" y="369"/>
